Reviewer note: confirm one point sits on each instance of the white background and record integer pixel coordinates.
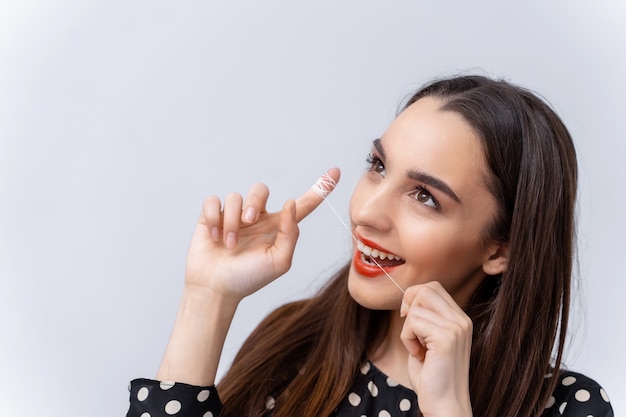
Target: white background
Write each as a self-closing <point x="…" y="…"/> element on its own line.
<point x="118" y="117"/>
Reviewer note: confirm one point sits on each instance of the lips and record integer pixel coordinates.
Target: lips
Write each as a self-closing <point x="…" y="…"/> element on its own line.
<point x="370" y="260"/>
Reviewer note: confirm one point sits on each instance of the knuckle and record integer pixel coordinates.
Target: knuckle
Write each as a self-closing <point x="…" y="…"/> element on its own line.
<point x="422" y="291"/>
<point x="284" y="264"/>
<point x="468" y="325"/>
<point x="434" y="285"/>
<point x="462" y="327"/>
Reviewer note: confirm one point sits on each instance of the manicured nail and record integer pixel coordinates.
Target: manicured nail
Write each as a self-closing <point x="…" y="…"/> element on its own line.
<point x="249" y="216"/>
<point x="215" y="234"/>
<point x="231" y="240"/>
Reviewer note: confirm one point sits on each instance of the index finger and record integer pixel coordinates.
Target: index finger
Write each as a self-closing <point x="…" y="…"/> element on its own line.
<point x="312" y="198"/>
<point x="443" y="303"/>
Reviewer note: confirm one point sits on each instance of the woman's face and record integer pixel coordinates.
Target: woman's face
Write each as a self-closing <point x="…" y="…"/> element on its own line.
<point x="425" y="204"/>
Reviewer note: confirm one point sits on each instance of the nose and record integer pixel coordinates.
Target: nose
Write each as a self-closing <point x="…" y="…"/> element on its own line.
<point x="372" y="206"/>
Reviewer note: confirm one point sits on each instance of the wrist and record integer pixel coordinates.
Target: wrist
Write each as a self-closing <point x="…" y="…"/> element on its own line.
<point x="200" y="301"/>
<point x="195" y="346"/>
<point x="456" y="410"/>
<point x="454" y="405"/>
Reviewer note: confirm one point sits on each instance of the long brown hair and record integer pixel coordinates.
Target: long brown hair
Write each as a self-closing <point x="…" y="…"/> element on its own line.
<point x="306" y="354"/>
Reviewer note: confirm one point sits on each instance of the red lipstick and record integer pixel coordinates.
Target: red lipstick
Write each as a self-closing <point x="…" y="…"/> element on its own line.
<point x="367" y="266"/>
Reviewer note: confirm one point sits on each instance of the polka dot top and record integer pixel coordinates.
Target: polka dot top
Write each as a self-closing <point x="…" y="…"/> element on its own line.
<point x="373" y="394"/>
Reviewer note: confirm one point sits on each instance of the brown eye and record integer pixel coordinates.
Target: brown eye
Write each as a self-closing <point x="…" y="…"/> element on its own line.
<point x="375" y="164"/>
<point x="423" y="196"/>
<point x="378" y="167"/>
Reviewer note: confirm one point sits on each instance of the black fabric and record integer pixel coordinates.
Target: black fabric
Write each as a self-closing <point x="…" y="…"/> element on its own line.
<point x="150" y="398"/>
<point x="373" y="394"/>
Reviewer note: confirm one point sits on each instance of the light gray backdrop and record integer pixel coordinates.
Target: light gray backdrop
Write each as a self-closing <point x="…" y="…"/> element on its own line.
<point x="118" y="117"/>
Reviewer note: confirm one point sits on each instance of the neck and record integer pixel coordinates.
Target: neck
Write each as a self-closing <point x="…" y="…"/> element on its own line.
<point x="391" y="357"/>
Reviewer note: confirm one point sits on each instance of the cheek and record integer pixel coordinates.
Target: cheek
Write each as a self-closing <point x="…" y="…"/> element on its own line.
<point x="441" y="251"/>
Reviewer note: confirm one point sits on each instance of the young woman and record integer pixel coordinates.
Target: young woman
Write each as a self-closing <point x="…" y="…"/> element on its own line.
<point x="455" y="302"/>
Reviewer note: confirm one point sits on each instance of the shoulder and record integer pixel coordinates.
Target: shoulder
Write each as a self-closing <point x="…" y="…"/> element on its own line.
<point x="577" y="394"/>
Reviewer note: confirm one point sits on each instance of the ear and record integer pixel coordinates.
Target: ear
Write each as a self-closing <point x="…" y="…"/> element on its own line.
<point x="497" y="259"/>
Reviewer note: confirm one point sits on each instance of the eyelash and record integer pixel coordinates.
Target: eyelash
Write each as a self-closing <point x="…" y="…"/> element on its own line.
<point x="373" y="161"/>
<point x="375" y="164"/>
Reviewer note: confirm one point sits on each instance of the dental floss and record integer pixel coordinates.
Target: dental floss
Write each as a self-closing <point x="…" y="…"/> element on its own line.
<point x="324" y="185"/>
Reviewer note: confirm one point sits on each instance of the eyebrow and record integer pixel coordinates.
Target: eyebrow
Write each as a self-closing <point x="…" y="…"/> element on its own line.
<point x="379" y="147"/>
<point x="421" y="176"/>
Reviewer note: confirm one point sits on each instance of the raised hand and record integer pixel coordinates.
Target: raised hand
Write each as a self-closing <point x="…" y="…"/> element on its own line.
<point x="238" y="247"/>
<point x="438" y="335"/>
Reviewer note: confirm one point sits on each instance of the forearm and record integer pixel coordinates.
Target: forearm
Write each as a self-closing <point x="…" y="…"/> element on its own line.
<point x="193" y="352"/>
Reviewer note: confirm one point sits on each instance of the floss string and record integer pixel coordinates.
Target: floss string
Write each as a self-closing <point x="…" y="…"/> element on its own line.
<point x="323" y="187"/>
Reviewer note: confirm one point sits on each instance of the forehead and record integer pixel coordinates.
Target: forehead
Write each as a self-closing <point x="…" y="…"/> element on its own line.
<point x="436" y="141"/>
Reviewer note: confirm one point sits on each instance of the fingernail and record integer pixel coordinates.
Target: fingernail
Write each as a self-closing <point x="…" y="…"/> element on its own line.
<point x="403" y="309"/>
<point x="249" y="216"/>
<point x="215" y="234"/>
<point x="231" y="240"/>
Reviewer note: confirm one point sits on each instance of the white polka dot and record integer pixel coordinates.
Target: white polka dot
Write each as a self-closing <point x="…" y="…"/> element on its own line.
<point x="392" y="383"/>
<point x="405" y="405"/>
<point x="203" y="395"/>
<point x="142" y="394"/>
<point x="145" y="415"/>
<point x="365" y="368"/>
<point x="604" y="395"/>
<point x="562" y="408"/>
<point x="165" y="385"/>
<point x="208" y="414"/>
<point x="548" y="375"/>
<point x="568" y="380"/>
<point x="354" y="399"/>
<point x="551" y="402"/>
<point x="372" y="388"/>
<point x="173" y="407"/>
<point x="270" y="403"/>
<point x="128" y="387"/>
<point x="384" y="413"/>
<point x="582" y="395"/>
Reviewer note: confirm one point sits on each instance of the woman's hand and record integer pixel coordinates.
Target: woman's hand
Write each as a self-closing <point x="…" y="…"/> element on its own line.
<point x="438" y="335"/>
<point x="238" y="247"/>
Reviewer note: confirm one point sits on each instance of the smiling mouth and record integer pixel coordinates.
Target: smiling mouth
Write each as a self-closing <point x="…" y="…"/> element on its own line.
<point x="377" y="257"/>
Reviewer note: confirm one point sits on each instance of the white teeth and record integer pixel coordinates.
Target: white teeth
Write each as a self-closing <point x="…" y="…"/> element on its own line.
<point x="375" y="253"/>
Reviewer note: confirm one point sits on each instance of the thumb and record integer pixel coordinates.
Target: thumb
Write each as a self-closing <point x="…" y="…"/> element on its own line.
<point x="286" y="237"/>
<point x="313" y="197"/>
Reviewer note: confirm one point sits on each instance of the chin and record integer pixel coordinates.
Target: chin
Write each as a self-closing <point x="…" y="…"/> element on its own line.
<point x="374" y="293"/>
